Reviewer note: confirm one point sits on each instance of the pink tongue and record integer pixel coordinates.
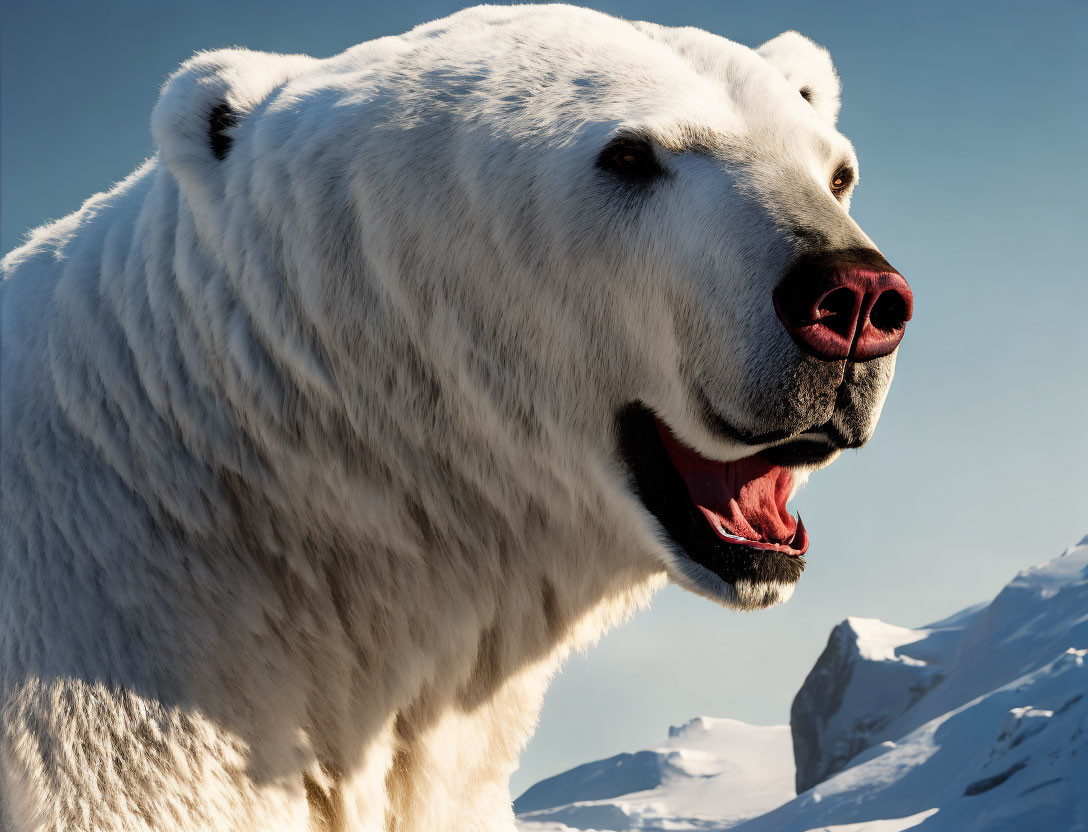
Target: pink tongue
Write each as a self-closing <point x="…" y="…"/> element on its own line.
<point x="747" y="497"/>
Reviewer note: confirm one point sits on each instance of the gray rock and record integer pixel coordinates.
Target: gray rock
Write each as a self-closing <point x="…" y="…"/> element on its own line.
<point x="869" y="674"/>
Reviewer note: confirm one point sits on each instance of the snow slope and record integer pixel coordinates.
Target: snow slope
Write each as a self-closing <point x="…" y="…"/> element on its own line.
<point x="875" y="682"/>
<point x="977" y="722"/>
<point x="1013" y="759"/>
<point x="709" y="774"/>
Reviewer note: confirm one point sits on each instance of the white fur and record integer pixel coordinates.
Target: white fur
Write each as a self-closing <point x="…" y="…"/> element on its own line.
<point x="309" y="476"/>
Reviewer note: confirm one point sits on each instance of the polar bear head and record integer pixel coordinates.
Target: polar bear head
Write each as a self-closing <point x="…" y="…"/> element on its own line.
<point x="617" y="243"/>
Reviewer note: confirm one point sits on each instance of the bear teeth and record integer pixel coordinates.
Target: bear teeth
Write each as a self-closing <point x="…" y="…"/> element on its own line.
<point x="724" y="533"/>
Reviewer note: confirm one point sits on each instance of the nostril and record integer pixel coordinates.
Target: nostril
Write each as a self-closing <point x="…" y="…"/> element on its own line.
<point x="889" y="312"/>
<point x="836" y="311"/>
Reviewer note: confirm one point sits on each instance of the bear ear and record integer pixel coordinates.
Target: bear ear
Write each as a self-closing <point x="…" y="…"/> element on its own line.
<point x="205" y="102"/>
<point x="808" y="67"/>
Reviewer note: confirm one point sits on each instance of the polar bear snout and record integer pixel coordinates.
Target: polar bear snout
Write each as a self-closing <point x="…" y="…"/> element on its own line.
<point x="844" y="305"/>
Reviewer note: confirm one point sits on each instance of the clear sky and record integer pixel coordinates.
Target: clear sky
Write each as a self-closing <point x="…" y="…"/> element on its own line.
<point x="971" y="124"/>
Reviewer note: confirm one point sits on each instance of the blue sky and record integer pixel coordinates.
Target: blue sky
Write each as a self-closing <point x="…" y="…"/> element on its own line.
<point x="971" y="127"/>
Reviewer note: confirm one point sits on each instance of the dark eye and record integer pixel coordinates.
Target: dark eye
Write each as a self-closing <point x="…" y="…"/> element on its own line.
<point x="841" y="181"/>
<point x="631" y="158"/>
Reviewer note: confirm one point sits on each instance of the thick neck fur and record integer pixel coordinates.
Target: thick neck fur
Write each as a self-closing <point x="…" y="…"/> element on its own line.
<point x="281" y="499"/>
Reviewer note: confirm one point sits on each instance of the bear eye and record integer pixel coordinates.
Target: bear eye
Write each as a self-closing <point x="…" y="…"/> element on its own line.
<point x="841" y="181"/>
<point x="631" y="158"/>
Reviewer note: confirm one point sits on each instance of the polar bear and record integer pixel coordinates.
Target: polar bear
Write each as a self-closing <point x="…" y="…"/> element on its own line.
<point x="390" y="379"/>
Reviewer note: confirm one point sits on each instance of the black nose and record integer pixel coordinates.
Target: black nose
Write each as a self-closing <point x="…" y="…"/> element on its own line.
<point x="847" y="304"/>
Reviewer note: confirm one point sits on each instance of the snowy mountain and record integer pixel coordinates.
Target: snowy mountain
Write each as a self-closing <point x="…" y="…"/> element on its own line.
<point x="977" y="722"/>
<point x="869" y="675"/>
<point x="708" y="774"/>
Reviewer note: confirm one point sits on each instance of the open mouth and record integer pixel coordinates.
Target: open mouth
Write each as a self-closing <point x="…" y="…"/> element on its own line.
<point x="727" y="521"/>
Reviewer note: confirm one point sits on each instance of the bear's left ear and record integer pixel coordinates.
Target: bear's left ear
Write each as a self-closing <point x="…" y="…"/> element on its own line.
<point x="808" y="67"/>
<point x="203" y="104"/>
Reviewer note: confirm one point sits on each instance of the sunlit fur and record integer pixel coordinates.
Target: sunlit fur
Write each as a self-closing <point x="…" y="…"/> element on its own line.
<point x="308" y="467"/>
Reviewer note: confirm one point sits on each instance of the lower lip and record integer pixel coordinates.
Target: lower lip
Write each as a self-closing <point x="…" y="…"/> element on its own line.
<point x="784" y="548"/>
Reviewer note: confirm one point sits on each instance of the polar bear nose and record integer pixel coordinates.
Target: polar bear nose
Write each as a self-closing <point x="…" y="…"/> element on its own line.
<point x="850" y="304"/>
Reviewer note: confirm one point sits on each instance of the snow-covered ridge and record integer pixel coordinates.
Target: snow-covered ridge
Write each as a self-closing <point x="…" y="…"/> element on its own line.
<point x="863" y="680"/>
<point x="976" y="722"/>
<point x="708" y="774"/>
